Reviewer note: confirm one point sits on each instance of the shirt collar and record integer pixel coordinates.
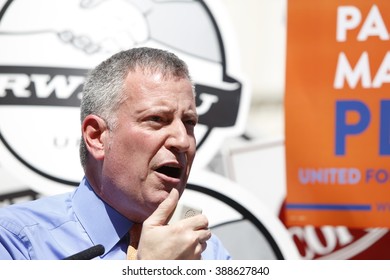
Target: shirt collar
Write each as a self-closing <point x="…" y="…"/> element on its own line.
<point x="102" y="223"/>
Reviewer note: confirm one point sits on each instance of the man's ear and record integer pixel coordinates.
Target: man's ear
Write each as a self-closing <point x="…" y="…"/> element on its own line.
<point x="94" y="130"/>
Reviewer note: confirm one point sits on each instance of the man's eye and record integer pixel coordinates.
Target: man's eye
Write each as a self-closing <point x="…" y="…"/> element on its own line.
<point x="191" y="122"/>
<point x="156" y="119"/>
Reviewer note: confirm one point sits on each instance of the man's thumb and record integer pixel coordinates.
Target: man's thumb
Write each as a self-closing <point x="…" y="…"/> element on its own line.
<point x="165" y="210"/>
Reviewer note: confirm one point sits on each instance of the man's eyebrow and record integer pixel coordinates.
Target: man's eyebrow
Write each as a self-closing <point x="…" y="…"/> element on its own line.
<point x="155" y="110"/>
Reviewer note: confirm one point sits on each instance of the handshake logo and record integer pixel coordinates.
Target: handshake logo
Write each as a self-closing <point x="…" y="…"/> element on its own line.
<point x="46" y="57"/>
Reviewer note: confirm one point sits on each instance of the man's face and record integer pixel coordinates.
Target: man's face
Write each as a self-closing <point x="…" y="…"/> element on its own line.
<point x="152" y="148"/>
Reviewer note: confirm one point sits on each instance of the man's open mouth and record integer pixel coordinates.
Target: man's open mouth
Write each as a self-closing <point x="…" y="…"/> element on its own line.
<point x="170" y="171"/>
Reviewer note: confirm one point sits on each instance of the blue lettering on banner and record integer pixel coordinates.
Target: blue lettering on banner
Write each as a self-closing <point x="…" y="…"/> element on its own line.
<point x="384" y="139"/>
<point x="380" y="176"/>
<point x="383" y="206"/>
<point x="343" y="129"/>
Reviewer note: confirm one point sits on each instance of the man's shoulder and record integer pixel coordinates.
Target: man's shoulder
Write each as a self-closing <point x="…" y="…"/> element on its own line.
<point x="30" y="213"/>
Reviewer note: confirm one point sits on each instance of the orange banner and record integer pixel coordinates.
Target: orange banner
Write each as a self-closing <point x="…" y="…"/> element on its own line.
<point x="337" y="113"/>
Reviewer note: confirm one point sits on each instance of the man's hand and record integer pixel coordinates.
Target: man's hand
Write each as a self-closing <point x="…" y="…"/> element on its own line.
<point x="184" y="240"/>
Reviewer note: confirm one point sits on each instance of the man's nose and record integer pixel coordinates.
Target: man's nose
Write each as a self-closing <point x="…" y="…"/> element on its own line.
<point x="178" y="139"/>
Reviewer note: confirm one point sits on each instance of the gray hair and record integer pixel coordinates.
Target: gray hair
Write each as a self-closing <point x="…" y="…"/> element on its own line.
<point x="103" y="89"/>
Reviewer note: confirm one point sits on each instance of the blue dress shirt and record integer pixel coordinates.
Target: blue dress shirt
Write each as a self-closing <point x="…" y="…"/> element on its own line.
<point x="59" y="226"/>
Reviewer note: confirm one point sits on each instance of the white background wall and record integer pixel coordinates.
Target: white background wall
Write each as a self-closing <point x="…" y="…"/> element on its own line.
<point x="260" y="27"/>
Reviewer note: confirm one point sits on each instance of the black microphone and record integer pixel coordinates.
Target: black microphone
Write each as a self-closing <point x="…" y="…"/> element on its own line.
<point x="88" y="254"/>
